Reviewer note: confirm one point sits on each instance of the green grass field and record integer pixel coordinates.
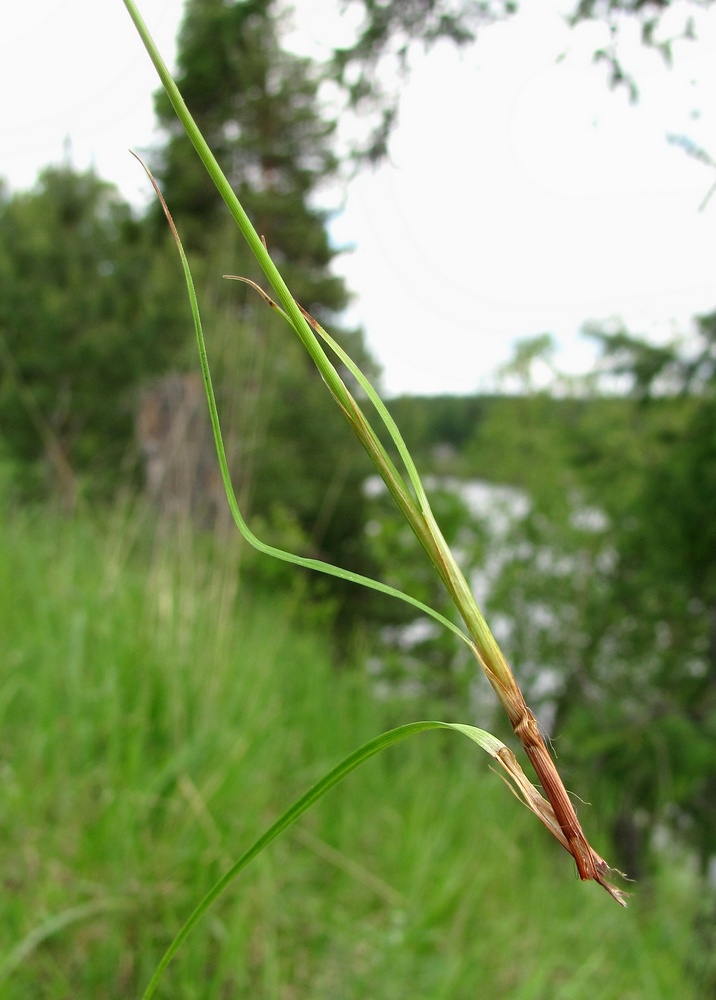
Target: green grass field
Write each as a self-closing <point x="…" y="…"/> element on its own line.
<point x="156" y="718"/>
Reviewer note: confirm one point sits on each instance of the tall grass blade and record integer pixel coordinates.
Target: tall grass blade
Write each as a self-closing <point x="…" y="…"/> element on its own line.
<point x="559" y="814"/>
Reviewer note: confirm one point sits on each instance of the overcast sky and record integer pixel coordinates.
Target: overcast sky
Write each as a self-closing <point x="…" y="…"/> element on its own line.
<point x="522" y="195"/>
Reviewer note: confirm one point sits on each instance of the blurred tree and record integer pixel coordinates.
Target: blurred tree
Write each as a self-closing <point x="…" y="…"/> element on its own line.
<point x="258" y="108"/>
<point x="389" y="30"/>
<point x="416" y="658"/>
<point x="87" y="309"/>
<point x="608" y="586"/>
<point x="667" y="572"/>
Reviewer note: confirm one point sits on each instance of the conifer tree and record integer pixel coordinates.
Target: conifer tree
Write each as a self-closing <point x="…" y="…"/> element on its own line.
<point x="258" y="107"/>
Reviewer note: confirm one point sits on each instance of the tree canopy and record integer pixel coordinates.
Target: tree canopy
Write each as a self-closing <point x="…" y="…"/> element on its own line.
<point x="88" y="309"/>
<point x="389" y="31"/>
<point x="608" y="582"/>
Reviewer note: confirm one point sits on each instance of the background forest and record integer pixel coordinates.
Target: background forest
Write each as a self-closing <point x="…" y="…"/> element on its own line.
<point x="157" y="673"/>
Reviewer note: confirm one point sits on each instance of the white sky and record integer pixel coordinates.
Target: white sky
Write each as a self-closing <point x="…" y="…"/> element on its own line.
<point x="522" y="196"/>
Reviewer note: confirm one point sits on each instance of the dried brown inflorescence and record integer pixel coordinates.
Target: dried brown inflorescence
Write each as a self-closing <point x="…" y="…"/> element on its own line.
<point x="555" y="811"/>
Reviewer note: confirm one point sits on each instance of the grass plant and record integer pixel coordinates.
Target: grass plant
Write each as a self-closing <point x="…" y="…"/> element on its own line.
<point x="134" y="724"/>
<point x="555" y="811"/>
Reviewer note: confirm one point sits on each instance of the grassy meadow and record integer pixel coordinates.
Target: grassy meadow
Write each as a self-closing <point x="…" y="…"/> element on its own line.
<point x="156" y="717"/>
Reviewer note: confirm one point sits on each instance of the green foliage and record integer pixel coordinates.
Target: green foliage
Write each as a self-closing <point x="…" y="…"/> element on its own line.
<point x="437" y="428"/>
<point x="414" y="657"/>
<point x="88" y="309"/>
<point x="521" y="442"/>
<point x="156" y="716"/>
<point x="91" y="305"/>
<point x="667" y="569"/>
<point x="607" y="586"/>
<point x="388" y="32"/>
<point x="602" y="578"/>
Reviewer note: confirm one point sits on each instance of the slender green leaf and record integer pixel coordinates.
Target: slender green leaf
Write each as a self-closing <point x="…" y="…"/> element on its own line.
<point x="487" y="741"/>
